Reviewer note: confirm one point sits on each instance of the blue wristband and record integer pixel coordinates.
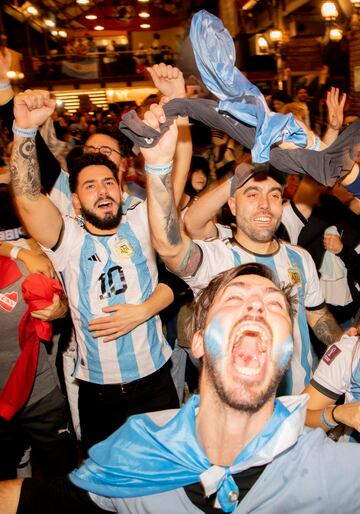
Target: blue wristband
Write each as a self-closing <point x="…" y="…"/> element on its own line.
<point x="325" y="421"/>
<point x="159" y="169"/>
<point x="23" y="132"/>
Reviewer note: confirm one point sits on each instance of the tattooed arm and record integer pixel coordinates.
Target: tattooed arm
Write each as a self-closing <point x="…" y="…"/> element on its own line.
<point x="324" y="325"/>
<point x="180" y="254"/>
<point x="39" y="215"/>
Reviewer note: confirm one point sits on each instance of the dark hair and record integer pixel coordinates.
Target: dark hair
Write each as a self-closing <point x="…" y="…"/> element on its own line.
<point x="124" y="143"/>
<point x="197" y="163"/>
<point x="89" y="159"/>
<point x="207" y="296"/>
<point x="73" y="155"/>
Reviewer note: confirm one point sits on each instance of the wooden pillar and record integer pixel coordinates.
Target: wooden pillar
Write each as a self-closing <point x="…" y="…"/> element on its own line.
<point x="228" y="13"/>
<point x="354" y="59"/>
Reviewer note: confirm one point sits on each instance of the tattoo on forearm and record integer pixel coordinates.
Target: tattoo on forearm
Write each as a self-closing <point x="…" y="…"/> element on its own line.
<point x="24" y="169"/>
<point x="172" y="226"/>
<point x="327" y="330"/>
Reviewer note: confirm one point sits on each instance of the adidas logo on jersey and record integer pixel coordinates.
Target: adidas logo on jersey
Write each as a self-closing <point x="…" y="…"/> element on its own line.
<point x="94" y="257"/>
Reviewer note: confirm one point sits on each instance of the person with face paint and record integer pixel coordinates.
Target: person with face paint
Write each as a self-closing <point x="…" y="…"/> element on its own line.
<point x="110" y="274"/>
<point x="232" y="448"/>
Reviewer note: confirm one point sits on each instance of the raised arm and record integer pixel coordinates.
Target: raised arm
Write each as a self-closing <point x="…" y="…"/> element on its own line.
<point x="199" y="218"/>
<point x="335" y="108"/>
<point x="170" y="82"/>
<point x="180" y="254"/>
<point x="39" y="215"/>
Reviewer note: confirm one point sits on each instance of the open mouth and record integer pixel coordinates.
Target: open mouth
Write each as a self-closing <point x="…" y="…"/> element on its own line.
<point x="263" y="219"/>
<point x="104" y="204"/>
<point x="250" y="342"/>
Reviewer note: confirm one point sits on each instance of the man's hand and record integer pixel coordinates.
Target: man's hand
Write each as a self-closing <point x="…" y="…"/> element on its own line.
<point x="5" y="62"/>
<point x="335" y="108"/>
<point x="333" y="243"/>
<point x="349" y="414"/>
<point x="353" y="331"/>
<point x="169" y="80"/>
<point x="163" y="152"/>
<point x="36" y="263"/>
<point x="125" y="318"/>
<point x="32" y="108"/>
<point x="56" y="310"/>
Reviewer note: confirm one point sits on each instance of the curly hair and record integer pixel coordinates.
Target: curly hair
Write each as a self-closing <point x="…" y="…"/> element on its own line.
<point x="89" y="159"/>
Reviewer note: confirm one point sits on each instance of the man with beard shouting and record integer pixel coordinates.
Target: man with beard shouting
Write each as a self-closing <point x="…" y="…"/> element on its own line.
<point x="233" y="448"/>
<point x="106" y="262"/>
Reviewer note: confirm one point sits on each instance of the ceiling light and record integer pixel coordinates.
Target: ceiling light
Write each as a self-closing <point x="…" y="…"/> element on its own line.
<point x="21" y="75"/>
<point x="144" y="14"/>
<point x="145" y="25"/>
<point x="82" y="2"/>
<point x="62" y="33"/>
<point x="99" y="27"/>
<point x="11" y="74"/>
<point x="54" y="33"/>
<point x="143" y="1"/>
<point x="49" y="23"/>
<point x="32" y="10"/>
<point x="91" y="17"/>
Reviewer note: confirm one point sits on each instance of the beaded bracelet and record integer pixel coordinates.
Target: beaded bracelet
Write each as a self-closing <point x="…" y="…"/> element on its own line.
<point x="24" y="132"/>
<point x="161" y="170"/>
<point x="5" y="85"/>
<point x="325" y="421"/>
<point x="14" y="252"/>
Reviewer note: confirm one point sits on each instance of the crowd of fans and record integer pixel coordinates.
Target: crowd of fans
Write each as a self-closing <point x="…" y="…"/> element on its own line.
<point x="68" y="401"/>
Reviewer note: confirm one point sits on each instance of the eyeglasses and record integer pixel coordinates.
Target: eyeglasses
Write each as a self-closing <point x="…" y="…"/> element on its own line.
<point x="104" y="150"/>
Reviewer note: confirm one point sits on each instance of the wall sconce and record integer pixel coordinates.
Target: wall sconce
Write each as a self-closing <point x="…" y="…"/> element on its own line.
<point x="329" y="11"/>
<point x="276" y="38"/>
<point x="335" y="34"/>
<point x="263" y="45"/>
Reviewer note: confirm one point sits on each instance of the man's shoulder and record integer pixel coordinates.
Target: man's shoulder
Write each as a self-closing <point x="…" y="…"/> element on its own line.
<point x="299" y="250"/>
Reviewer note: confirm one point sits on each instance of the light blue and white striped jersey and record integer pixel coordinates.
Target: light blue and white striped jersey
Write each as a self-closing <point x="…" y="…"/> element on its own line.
<point x="60" y="195"/>
<point x="290" y="265"/>
<point x="338" y="373"/>
<point x="99" y="271"/>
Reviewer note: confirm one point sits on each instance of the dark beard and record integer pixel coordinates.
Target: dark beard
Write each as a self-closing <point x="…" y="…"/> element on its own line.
<point x="238" y="404"/>
<point x="108" y="223"/>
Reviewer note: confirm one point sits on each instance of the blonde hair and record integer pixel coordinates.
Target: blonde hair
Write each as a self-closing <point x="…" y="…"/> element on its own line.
<point x="298" y="110"/>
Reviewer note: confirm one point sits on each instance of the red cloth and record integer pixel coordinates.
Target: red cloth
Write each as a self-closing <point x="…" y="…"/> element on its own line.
<point x="38" y="291"/>
<point x="9" y="272"/>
